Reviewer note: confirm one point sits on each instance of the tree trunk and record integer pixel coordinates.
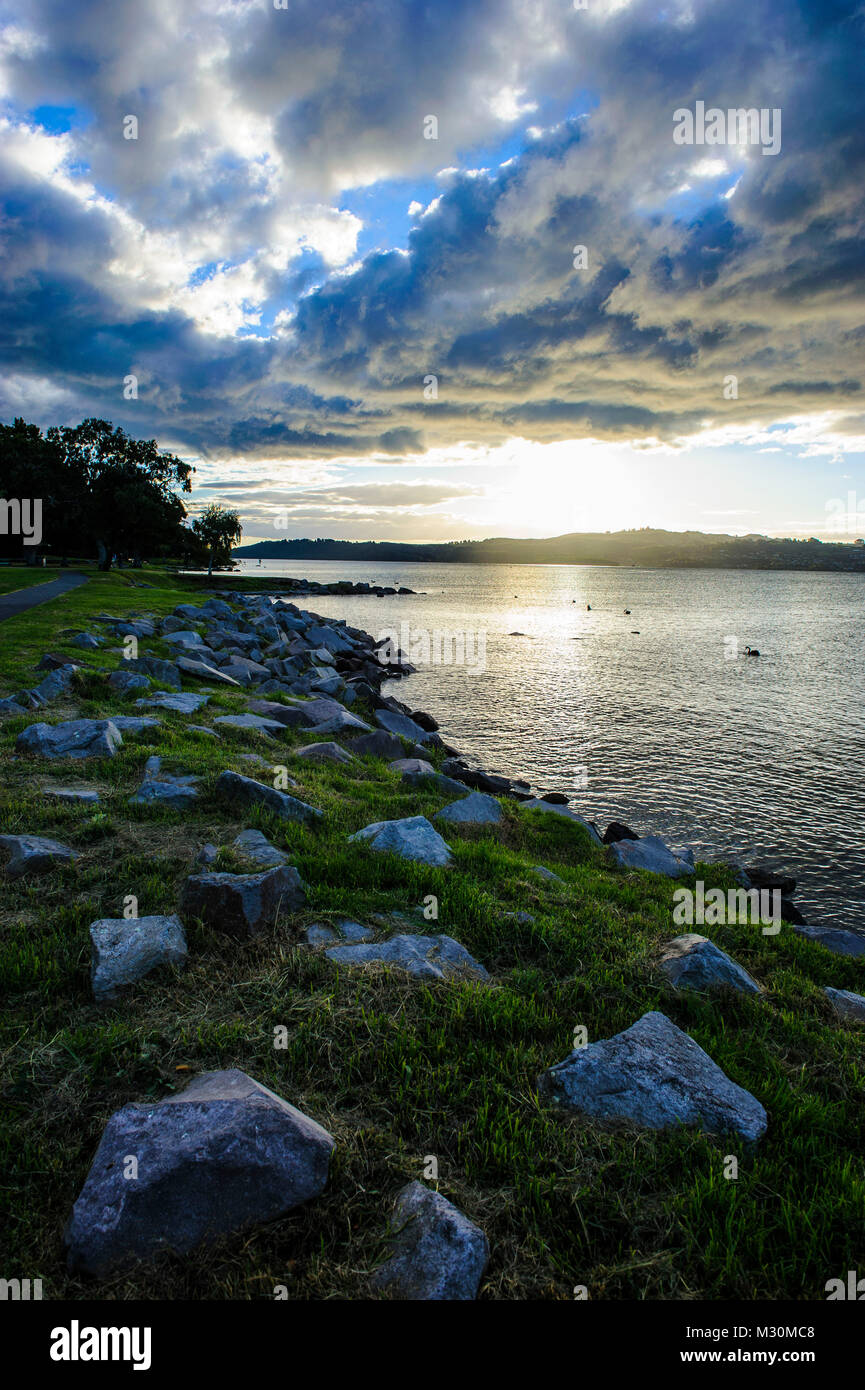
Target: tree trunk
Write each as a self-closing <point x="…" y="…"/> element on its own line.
<point x="104" y="556"/>
<point x="210" y="566"/>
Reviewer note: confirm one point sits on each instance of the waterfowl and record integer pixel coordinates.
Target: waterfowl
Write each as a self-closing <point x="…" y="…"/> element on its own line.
<point x="751" y="651"/>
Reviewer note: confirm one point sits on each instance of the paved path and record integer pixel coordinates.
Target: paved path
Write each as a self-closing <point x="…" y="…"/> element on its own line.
<point x="22" y="599"/>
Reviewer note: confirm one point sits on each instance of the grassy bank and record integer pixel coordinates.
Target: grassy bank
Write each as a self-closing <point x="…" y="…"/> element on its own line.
<point x="394" y="1069"/>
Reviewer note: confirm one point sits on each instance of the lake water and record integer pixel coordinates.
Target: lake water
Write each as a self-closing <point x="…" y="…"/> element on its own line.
<point x="649" y="718"/>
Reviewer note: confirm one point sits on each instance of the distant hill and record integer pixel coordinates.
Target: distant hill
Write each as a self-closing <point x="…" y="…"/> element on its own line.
<point x="646" y="547"/>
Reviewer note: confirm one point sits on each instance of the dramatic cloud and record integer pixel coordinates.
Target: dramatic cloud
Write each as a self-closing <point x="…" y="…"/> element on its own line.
<point x="223" y="257"/>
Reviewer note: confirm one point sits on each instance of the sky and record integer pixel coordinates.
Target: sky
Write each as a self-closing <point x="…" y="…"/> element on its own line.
<point x="329" y="254"/>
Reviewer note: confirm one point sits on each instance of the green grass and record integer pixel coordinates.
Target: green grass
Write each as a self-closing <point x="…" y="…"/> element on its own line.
<point x="398" y="1070"/>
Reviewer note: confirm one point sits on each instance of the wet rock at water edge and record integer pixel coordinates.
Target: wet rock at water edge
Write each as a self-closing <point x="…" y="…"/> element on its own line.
<point x="237" y="790"/>
<point x="694" y="962"/>
<point x="125" y="949"/>
<point x="411" y="838"/>
<point x="437" y="1254"/>
<point x="616" y="831"/>
<point x="33" y="854"/>
<point x="651" y="854"/>
<point x="655" y="1076"/>
<point x="221" y="1156"/>
<point x="426" y="957"/>
<point x="836" y="939"/>
<point x="243" y="904"/>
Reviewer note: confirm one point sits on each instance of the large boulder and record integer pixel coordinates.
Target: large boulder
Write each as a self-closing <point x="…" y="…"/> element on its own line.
<point x="243" y="904"/>
<point x="125" y="949"/>
<point x="292" y="716"/>
<point x="341" y="723"/>
<point x="694" y="962"/>
<point x="437" y="1254"/>
<point x="411" y="838"/>
<point x="221" y="1156"/>
<point x="426" y="957"/>
<point x="125" y="682"/>
<point x="237" y="790"/>
<point x="74" y="738"/>
<point x="655" y="1076"/>
<point x="650" y="853"/>
<point x="32" y="854"/>
<point x="475" y="809"/>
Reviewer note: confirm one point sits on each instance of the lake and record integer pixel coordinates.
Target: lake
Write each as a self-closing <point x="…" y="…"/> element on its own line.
<point x="655" y="718"/>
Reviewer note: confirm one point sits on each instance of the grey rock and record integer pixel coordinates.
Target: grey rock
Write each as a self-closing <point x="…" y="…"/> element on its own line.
<point x="292" y="716"/>
<point x="401" y="725"/>
<point x="846" y="1004"/>
<point x="166" y="672"/>
<point x="842" y="943"/>
<point x="182" y="702"/>
<point x="126" y="949"/>
<point x="201" y="671"/>
<point x="693" y="962"/>
<point x="417" y="767"/>
<point x="238" y="790"/>
<point x="320" y="934"/>
<point x="546" y="874"/>
<point x="651" y="854"/>
<point x="426" y="957"/>
<point x="32" y="854"/>
<point x="378" y="745"/>
<point x="183" y="638"/>
<point x="655" y="1076"/>
<point x="411" y="838"/>
<point x="206" y="856"/>
<point x="86" y="641"/>
<point x="164" y="789"/>
<point x="324" y="753"/>
<point x="221" y="1156"/>
<point x="124" y="682"/>
<point x="243" y="904"/>
<point x="437" y="1254"/>
<point x="73" y="795"/>
<point x="257" y="723"/>
<point x="251" y="844"/>
<point x="201" y="729"/>
<point x="341" y="723"/>
<point x="475" y="809"/>
<point x="74" y="738"/>
<point x="134" y="723"/>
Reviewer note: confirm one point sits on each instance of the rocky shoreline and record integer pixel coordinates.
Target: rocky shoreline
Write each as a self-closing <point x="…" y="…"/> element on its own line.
<point x="309" y="674"/>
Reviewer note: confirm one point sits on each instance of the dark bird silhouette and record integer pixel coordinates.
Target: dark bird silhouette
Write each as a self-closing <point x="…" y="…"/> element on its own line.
<point x="751" y="651"/>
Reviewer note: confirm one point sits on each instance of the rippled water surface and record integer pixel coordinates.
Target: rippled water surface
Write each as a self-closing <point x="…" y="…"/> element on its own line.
<point x="763" y="757"/>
